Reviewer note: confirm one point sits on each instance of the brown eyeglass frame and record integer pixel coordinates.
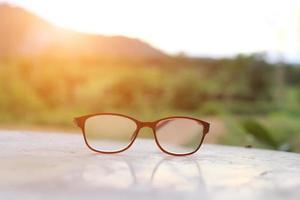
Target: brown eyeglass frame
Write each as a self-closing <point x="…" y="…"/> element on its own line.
<point x="80" y="122"/>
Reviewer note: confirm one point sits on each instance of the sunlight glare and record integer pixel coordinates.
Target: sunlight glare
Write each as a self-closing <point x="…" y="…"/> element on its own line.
<point x="197" y="27"/>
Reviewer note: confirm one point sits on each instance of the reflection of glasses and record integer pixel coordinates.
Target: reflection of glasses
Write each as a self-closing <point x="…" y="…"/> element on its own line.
<point x="108" y="171"/>
<point x="114" y="133"/>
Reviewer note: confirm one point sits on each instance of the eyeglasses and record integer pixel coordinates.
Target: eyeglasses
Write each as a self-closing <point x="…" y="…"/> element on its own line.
<point x="113" y="133"/>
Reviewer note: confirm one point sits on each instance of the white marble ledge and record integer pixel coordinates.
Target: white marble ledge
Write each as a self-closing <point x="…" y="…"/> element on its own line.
<point x="46" y="166"/>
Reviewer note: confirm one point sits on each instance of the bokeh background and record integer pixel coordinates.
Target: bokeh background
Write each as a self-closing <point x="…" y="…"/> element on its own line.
<point x="233" y="63"/>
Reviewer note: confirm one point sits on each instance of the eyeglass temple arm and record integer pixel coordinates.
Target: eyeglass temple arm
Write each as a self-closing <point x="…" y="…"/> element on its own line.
<point x="78" y="121"/>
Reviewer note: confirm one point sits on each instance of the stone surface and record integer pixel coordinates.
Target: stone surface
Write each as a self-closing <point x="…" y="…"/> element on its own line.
<point x="58" y="166"/>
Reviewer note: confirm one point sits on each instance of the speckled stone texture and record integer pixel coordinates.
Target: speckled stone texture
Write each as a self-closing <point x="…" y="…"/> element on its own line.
<point x="46" y="166"/>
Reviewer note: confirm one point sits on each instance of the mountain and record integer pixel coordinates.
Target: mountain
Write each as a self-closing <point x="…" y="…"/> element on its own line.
<point x="23" y="33"/>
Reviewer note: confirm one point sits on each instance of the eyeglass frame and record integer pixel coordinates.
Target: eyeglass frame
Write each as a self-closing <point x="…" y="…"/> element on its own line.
<point x="80" y="122"/>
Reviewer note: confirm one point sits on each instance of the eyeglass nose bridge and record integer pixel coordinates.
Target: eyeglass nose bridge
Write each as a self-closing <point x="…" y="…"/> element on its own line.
<point x="146" y="124"/>
<point x="141" y="125"/>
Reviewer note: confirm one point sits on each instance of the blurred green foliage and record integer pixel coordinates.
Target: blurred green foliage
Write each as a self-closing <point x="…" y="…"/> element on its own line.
<point x="259" y="132"/>
<point x="241" y="92"/>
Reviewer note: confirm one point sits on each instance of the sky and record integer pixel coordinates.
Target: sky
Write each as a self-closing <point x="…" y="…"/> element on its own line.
<point x="215" y="28"/>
